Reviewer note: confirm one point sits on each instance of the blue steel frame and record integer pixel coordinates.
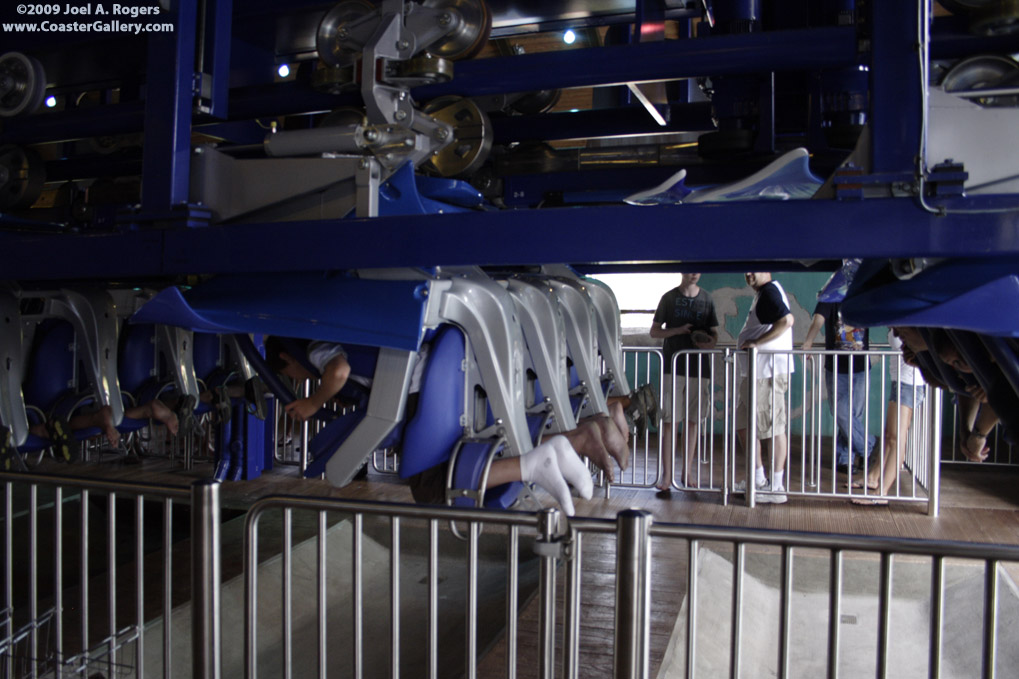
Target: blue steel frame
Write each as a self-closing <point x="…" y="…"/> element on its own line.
<point x="752" y="232"/>
<point x="216" y="51"/>
<point x="896" y="86"/>
<point x="712" y="235"/>
<point x="168" y="106"/>
<point x="734" y="232"/>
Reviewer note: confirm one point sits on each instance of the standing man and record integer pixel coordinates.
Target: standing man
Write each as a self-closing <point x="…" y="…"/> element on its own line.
<point x="769" y="327"/>
<point x="686" y="320"/>
<point x="845" y="378"/>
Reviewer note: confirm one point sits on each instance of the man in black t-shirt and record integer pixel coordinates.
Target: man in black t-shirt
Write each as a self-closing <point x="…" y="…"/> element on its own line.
<point x="686" y="320"/>
<point x="845" y="378"/>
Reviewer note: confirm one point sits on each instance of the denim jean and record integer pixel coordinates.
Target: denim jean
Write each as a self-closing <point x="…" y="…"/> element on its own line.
<point x="846" y="420"/>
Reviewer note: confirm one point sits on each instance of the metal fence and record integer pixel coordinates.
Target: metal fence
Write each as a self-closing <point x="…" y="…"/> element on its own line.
<point x="372" y="578"/>
<point x="76" y="553"/>
<point x="345" y="588"/>
<point x="955" y="591"/>
<point x="292" y="438"/>
<point x="811" y="438"/>
<point x="384" y="621"/>
<point x="712" y="466"/>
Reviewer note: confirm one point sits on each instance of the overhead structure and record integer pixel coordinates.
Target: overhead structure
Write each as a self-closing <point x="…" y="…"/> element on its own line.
<point x="201" y="175"/>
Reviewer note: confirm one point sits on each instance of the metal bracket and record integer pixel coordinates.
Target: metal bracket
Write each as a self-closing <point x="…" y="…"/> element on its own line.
<point x="558" y="548"/>
<point x="94" y="317"/>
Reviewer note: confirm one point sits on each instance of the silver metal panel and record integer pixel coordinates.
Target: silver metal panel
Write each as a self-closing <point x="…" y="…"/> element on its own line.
<point x="386" y="404"/>
<point x="241" y="364"/>
<point x="610" y="337"/>
<point x="12" y="401"/>
<point x="485" y="312"/>
<point x="545" y="334"/>
<point x="273" y="188"/>
<point x="581" y="339"/>
<point x="176" y="345"/>
<point x="94" y="317"/>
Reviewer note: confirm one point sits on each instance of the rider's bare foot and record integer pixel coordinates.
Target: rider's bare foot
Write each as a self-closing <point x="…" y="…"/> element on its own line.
<point x="105" y="415"/>
<point x="169" y="418"/>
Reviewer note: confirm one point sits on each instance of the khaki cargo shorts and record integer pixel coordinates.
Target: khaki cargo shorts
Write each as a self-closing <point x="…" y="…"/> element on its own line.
<point x="768" y="414"/>
<point x="700" y="398"/>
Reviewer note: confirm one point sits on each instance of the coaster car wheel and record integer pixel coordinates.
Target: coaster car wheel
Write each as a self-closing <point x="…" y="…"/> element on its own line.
<point x="22" y="175"/>
<point x="422" y="70"/>
<point x="331" y="40"/>
<point x="22" y="84"/>
<point x="471" y="35"/>
<point x="472" y="132"/>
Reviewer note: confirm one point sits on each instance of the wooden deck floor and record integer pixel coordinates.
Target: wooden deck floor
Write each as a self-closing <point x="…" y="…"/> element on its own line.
<point x="978" y="504"/>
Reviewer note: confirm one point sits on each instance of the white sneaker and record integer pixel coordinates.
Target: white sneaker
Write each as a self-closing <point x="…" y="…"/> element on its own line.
<point x="766" y="493"/>
<point x="740" y="488"/>
<point x="774" y="495"/>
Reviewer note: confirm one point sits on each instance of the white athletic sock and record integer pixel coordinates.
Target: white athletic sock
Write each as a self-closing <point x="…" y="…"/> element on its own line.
<point x="573" y="467"/>
<point x="551" y="465"/>
<point x="760" y="478"/>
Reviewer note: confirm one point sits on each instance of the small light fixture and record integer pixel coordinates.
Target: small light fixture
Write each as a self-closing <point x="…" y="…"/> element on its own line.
<point x="284" y="70"/>
<point x="569" y="37"/>
<point x="51" y="101"/>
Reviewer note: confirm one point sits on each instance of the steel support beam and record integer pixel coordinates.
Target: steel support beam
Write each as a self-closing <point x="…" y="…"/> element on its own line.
<point x="168" y="106"/>
<point x="749" y="231"/>
<point x="816" y="48"/>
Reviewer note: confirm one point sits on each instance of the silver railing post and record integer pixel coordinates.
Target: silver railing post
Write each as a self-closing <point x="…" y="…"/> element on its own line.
<point x="633" y="593"/>
<point x="730" y="426"/>
<point x="934" y="452"/>
<point x="548" y="548"/>
<point x="751" y="447"/>
<point x="571" y="614"/>
<point x="205" y="579"/>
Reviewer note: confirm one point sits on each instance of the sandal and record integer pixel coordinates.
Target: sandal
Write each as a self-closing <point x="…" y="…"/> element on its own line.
<point x="858" y="485"/>
<point x="650" y="400"/>
<point x="62" y="438"/>
<point x="9" y="454"/>
<point x="223" y="405"/>
<point x="185" y="411"/>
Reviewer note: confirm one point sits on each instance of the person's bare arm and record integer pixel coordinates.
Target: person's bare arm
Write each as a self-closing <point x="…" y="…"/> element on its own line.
<point x="975" y="446"/>
<point x="815" y="325"/>
<point x="777" y="328"/>
<point x="659" y="331"/>
<point x="334" y="376"/>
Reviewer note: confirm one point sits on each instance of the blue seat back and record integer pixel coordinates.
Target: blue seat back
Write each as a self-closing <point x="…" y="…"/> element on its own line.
<point x="136" y="356"/>
<point x="51" y="371"/>
<point x="430" y="435"/>
<point x="206" y="352"/>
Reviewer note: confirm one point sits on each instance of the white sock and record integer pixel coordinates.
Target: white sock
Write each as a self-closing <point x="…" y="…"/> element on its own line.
<point x="551" y="465"/>
<point x="776" y="481"/>
<point x="760" y="478"/>
<point x="573" y="467"/>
